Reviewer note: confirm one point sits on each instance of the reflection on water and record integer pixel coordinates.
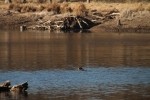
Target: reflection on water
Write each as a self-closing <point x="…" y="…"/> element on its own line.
<point x="13" y="96"/>
<point x="39" y="50"/>
<point x="117" y="65"/>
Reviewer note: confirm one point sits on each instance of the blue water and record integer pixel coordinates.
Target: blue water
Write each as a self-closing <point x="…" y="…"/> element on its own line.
<point x="108" y="79"/>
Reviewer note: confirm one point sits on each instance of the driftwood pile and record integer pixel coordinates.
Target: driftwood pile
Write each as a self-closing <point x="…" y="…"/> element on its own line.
<point x="6" y="86"/>
<point x="66" y="23"/>
<point x="73" y="22"/>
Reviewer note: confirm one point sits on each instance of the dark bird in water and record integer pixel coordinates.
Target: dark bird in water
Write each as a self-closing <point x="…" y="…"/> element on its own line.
<point x="81" y="69"/>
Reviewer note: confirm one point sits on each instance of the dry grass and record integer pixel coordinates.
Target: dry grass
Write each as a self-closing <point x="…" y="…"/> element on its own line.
<point x="28" y="9"/>
<point x="148" y="8"/>
<point x="55" y="7"/>
<point x="23" y="7"/>
<point x="15" y="7"/>
<point x="140" y="7"/>
<point x="64" y="7"/>
<point x="3" y="6"/>
<point x="122" y="1"/>
<point x="120" y="6"/>
<point x="41" y="8"/>
<point x="77" y="8"/>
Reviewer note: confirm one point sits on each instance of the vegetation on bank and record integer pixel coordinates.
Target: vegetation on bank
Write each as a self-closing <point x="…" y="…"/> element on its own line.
<point x="122" y="1"/>
<point x="76" y="7"/>
<point x="55" y="8"/>
<point x="55" y="4"/>
<point x="106" y="1"/>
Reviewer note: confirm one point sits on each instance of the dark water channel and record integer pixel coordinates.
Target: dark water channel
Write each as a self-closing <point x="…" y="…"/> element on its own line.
<point x="117" y="65"/>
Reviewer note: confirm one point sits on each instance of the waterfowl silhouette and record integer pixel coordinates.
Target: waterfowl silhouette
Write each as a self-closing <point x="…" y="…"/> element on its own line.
<point x="81" y="69"/>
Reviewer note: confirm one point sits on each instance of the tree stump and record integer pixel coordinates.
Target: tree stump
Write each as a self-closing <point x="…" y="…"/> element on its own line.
<point x="23" y="27"/>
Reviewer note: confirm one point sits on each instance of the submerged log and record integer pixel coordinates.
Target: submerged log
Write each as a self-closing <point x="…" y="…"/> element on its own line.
<point x="3" y="89"/>
<point x="5" y="86"/>
<point x="20" y="88"/>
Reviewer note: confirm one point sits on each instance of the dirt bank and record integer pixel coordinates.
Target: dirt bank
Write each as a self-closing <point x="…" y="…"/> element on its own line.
<point x="110" y="18"/>
<point x="11" y="19"/>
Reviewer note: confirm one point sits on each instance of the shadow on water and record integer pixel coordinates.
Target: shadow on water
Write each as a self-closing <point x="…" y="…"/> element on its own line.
<point x="117" y="65"/>
<point x="44" y="50"/>
<point x="76" y="31"/>
<point x="13" y="95"/>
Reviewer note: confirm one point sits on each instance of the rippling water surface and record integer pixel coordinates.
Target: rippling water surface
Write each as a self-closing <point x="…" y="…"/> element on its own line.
<point x="117" y="65"/>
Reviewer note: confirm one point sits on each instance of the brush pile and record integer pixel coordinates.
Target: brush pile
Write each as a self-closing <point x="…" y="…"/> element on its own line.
<point x="66" y="23"/>
<point x="71" y="22"/>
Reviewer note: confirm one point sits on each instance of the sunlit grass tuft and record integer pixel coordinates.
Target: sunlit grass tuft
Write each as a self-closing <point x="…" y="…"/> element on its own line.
<point x="79" y="9"/>
<point x="64" y="7"/>
<point x="55" y="7"/>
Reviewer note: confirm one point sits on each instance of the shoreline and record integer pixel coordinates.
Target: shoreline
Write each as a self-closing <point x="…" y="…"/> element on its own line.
<point x="130" y="20"/>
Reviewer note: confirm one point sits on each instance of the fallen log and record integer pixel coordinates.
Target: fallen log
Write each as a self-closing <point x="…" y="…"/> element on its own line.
<point x="85" y="22"/>
<point x="4" y="89"/>
<point x="20" y="88"/>
<point x="79" y="23"/>
<point x="5" y="86"/>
